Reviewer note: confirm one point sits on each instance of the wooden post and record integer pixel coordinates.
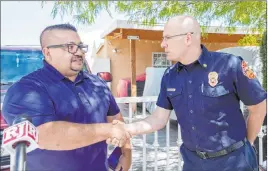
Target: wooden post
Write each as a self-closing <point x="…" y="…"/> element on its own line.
<point x="133" y="67"/>
<point x="132" y="47"/>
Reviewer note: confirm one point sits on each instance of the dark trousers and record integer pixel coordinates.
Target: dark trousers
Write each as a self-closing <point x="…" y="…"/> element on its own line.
<point x="242" y="159"/>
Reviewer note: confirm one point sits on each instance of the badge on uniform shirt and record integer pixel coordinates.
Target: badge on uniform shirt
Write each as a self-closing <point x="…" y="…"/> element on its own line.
<point x="247" y="71"/>
<point x="213" y="78"/>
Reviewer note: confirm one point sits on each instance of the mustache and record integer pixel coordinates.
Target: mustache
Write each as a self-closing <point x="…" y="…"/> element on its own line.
<point x="77" y="57"/>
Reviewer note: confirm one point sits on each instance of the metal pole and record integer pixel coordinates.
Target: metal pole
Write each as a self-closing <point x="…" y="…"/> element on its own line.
<point x="130" y="121"/>
<point x="20" y="154"/>
<point x="167" y="141"/>
<point x="144" y="140"/>
<point x="261" y="134"/>
<point x="20" y="157"/>
<point x="179" y="143"/>
<point x="156" y="145"/>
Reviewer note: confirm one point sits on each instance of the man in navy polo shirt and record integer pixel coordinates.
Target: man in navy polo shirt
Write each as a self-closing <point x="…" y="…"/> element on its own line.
<point x="205" y="88"/>
<point x="70" y="108"/>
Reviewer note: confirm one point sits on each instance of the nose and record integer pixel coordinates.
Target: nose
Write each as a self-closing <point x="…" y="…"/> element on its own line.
<point x="163" y="44"/>
<point x="80" y="52"/>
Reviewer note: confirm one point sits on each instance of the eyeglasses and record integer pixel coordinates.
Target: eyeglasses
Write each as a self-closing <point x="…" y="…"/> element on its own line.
<point x="170" y="37"/>
<point x="72" y="48"/>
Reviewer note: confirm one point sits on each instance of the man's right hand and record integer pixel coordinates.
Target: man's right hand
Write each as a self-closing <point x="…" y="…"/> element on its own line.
<point x="118" y="134"/>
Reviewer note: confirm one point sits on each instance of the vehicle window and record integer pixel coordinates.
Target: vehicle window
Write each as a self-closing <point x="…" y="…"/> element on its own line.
<point x="17" y="63"/>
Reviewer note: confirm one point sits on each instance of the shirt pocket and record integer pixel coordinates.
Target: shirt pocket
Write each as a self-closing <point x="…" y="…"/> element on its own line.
<point x="214" y="97"/>
<point x="175" y="97"/>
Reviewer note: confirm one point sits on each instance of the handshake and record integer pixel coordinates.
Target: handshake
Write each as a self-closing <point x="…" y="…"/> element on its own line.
<point x="119" y="134"/>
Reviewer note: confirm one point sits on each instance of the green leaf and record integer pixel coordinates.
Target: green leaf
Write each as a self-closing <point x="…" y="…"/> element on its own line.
<point x="230" y="14"/>
<point x="263" y="55"/>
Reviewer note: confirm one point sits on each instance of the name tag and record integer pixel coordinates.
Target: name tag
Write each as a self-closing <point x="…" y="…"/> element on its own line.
<point x="171" y="89"/>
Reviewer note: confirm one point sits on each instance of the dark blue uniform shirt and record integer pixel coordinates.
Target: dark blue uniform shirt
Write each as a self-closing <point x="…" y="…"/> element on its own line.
<point x="209" y="114"/>
<point x="47" y="96"/>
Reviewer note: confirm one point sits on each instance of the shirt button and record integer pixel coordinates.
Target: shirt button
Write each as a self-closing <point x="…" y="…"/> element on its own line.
<point x="191" y="111"/>
<point x="190" y="96"/>
<point x="190" y="81"/>
<point x="193" y="128"/>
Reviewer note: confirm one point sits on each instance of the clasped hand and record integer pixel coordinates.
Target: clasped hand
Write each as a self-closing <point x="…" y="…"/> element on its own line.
<point x="119" y="134"/>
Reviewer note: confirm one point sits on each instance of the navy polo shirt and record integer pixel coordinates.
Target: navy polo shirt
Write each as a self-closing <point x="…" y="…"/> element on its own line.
<point x="209" y="112"/>
<point x="46" y="95"/>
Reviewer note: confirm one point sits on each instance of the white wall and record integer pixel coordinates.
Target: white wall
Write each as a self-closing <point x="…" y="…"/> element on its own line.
<point x="250" y="54"/>
<point x="99" y="65"/>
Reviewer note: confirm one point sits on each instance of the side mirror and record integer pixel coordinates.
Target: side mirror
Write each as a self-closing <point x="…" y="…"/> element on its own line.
<point x="106" y="76"/>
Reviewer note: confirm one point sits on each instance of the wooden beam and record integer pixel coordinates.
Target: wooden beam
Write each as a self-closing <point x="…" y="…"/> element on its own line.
<point x="105" y="46"/>
<point x="132" y="48"/>
<point x="109" y="37"/>
<point x="117" y="36"/>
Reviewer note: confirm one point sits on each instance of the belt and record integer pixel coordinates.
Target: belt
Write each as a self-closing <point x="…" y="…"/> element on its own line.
<point x="231" y="148"/>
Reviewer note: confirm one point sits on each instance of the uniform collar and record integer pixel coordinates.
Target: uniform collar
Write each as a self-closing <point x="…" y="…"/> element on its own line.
<point x="179" y="66"/>
<point x="204" y="59"/>
<point x="57" y="76"/>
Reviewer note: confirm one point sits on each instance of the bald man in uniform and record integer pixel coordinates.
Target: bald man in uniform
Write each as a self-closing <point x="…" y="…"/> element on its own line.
<point x="205" y="88"/>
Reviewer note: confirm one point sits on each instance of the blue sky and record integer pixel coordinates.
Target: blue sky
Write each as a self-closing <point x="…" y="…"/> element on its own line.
<point x="22" y="23"/>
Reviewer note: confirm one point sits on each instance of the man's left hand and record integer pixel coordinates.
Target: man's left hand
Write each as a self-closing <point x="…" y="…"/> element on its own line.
<point x="124" y="162"/>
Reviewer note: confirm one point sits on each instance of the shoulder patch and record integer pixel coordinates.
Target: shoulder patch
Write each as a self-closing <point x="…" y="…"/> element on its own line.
<point x="247" y="71"/>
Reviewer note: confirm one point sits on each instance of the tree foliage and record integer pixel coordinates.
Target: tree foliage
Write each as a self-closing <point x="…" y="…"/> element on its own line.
<point x="230" y="14"/>
<point x="263" y="55"/>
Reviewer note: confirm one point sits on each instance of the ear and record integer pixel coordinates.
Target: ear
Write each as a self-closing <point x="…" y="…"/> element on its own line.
<point x="46" y="54"/>
<point x="188" y="39"/>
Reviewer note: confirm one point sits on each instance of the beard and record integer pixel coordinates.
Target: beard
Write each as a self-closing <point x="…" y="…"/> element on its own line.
<point x="77" y="63"/>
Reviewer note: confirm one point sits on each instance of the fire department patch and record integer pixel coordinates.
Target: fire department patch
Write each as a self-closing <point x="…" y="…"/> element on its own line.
<point x="247" y="71"/>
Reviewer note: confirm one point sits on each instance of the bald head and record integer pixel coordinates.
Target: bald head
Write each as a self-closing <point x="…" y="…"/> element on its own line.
<point x="182" y="39"/>
<point x="185" y="24"/>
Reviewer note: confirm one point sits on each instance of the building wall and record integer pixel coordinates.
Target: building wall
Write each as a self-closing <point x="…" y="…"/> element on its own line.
<point x="218" y="46"/>
<point x="120" y="61"/>
<point x="101" y="53"/>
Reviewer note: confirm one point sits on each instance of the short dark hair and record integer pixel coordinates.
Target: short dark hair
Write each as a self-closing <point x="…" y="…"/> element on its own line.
<point x="57" y="27"/>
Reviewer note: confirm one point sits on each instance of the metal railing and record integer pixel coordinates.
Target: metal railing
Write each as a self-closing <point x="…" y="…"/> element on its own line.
<point x="155" y="145"/>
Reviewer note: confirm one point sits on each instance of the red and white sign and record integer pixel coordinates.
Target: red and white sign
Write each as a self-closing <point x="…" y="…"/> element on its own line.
<point x="21" y="132"/>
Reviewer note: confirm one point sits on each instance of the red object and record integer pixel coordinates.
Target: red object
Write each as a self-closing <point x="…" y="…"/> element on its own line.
<point x="105" y="76"/>
<point x="3" y="122"/>
<point x="122" y="87"/>
<point x="21" y="132"/>
<point x="3" y="125"/>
